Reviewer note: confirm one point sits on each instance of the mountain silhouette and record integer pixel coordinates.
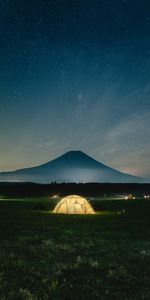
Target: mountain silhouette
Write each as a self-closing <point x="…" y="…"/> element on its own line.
<point x="73" y="166"/>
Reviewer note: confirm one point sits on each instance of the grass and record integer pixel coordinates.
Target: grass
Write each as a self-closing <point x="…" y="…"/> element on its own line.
<point x="45" y="256"/>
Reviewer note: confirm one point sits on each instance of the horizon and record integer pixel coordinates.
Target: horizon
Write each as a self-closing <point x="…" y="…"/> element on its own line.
<point x="75" y="75"/>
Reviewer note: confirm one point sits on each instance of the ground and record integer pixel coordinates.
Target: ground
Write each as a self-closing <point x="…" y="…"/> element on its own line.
<point x="45" y="256"/>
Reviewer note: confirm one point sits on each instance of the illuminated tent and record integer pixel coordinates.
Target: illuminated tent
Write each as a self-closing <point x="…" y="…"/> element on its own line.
<point x="73" y="204"/>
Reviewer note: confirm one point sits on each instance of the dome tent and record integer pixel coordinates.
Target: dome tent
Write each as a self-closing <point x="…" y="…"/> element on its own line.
<point x="73" y="204"/>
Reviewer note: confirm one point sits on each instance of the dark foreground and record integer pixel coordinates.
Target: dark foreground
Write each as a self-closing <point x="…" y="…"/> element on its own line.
<point x="103" y="256"/>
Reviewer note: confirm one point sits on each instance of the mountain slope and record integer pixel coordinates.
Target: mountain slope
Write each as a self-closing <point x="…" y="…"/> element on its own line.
<point x="73" y="166"/>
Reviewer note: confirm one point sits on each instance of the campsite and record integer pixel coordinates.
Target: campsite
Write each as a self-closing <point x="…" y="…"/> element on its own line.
<point x="54" y="256"/>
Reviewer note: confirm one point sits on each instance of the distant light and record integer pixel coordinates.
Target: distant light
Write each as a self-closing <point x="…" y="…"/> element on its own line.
<point x="54" y="196"/>
<point x="130" y="197"/>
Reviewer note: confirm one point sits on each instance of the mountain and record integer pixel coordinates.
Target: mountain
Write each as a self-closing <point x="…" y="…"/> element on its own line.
<point x="73" y="166"/>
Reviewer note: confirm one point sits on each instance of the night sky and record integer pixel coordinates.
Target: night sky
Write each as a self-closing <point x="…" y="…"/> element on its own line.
<point x="75" y="75"/>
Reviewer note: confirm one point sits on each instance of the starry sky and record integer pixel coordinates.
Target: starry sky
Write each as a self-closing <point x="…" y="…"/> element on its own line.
<point x="75" y="75"/>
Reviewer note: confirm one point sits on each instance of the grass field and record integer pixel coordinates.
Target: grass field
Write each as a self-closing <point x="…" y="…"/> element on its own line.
<point x="45" y="256"/>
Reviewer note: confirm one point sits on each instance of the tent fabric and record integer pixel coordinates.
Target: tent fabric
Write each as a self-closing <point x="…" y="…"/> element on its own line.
<point x="73" y="204"/>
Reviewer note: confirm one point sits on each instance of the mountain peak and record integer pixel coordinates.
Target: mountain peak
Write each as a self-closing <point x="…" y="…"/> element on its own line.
<point x="75" y="153"/>
<point x="76" y="156"/>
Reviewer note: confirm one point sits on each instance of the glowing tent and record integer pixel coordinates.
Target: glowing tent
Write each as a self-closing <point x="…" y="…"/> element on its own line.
<point x="73" y="204"/>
